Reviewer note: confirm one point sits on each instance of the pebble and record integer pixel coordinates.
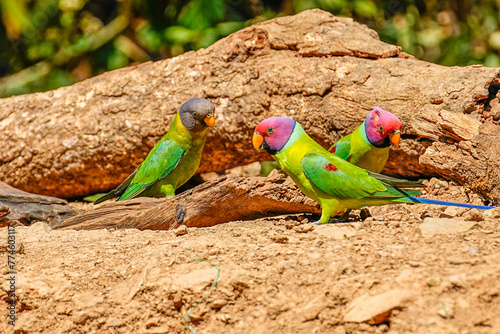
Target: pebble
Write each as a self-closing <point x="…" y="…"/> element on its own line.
<point x="376" y="309"/>
<point x="492" y="213"/>
<point x="396" y="216"/>
<point x="181" y="230"/>
<point x="447" y="309"/>
<point x="304" y="228"/>
<point x="313" y="309"/>
<point x="278" y="238"/>
<point x="218" y="303"/>
<point x="452" y="211"/>
<point x="433" y="281"/>
<point x="80" y="317"/>
<point x="474" y="215"/>
<point x="114" y="322"/>
<point x="433" y="226"/>
<point x="178" y="300"/>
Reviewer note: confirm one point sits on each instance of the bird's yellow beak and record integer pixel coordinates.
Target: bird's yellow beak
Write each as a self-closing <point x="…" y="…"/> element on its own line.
<point x="210" y="121"/>
<point x="257" y="141"/>
<point x="395" y="137"/>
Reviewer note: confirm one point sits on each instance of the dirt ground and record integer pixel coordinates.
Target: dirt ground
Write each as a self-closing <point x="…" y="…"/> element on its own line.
<point x="407" y="269"/>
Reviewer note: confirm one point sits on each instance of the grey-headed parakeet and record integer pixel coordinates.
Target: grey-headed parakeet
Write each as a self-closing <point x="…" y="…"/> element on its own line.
<point x="174" y="159"/>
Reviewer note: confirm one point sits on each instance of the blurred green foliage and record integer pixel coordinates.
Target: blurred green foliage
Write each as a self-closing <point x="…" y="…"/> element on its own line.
<point x="45" y="44"/>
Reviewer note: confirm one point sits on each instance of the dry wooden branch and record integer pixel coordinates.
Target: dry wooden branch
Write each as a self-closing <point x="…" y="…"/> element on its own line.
<point x="325" y="71"/>
<point x="27" y="208"/>
<point x="211" y="203"/>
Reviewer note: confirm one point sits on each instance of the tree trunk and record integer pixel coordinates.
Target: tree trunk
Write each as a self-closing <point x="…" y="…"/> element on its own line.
<point x="214" y="202"/>
<point x="326" y="72"/>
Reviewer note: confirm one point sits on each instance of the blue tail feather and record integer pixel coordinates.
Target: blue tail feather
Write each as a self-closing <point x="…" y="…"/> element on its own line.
<point x="463" y="205"/>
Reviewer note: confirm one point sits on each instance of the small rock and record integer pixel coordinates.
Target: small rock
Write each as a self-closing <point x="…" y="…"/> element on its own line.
<point x="376" y="309"/>
<point x="278" y="238"/>
<point x="80" y="317"/>
<point x="301" y="218"/>
<point x="154" y="321"/>
<point x="473" y="251"/>
<point x="474" y="215"/>
<point x="452" y="211"/>
<point x="225" y="318"/>
<point x="178" y="300"/>
<point x="213" y="251"/>
<point x="289" y="224"/>
<point x="433" y="226"/>
<point x="414" y="264"/>
<point x="114" y="322"/>
<point x="181" y="230"/>
<point x="40" y="227"/>
<point x="433" y="281"/>
<point x="218" y="303"/>
<point x="313" y="309"/>
<point x="396" y="216"/>
<point x="426" y="213"/>
<point x="365" y="214"/>
<point x="492" y="213"/>
<point x="447" y="309"/>
<point x="458" y="281"/>
<point x="304" y="228"/>
<point x="61" y="309"/>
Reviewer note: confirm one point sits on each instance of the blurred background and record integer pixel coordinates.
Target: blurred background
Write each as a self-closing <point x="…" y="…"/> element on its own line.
<point x="45" y="44"/>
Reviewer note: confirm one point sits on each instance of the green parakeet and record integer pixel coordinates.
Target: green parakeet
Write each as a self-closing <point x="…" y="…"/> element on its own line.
<point x="174" y="159"/>
<point x="368" y="146"/>
<point x="336" y="184"/>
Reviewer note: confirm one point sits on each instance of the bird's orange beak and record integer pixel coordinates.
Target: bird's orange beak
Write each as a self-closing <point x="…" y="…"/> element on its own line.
<point x="395" y="137"/>
<point x="257" y="141"/>
<point x="210" y="121"/>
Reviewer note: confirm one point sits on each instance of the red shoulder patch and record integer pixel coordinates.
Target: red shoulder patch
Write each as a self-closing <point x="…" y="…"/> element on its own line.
<point x="333" y="149"/>
<point x="330" y="168"/>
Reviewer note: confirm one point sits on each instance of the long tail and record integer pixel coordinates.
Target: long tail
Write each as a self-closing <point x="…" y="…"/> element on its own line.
<point x="433" y="201"/>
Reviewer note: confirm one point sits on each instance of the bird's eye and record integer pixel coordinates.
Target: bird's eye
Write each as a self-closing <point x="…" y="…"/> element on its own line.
<point x="270" y="130"/>
<point x="194" y="115"/>
<point x="380" y="128"/>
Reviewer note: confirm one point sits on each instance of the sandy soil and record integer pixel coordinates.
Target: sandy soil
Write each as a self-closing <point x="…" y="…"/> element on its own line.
<point x="407" y="269"/>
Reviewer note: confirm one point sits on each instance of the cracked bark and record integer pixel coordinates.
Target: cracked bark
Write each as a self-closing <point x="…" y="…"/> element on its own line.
<point x="326" y="72"/>
<point x="18" y="207"/>
<point x="237" y="198"/>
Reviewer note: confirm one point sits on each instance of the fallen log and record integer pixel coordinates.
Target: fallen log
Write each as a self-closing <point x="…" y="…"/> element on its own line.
<point x="19" y="207"/>
<point x="326" y="72"/>
<point x="211" y="203"/>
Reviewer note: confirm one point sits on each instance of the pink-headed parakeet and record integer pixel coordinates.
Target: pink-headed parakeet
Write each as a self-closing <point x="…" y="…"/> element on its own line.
<point x="368" y="146"/>
<point x="336" y="184"/>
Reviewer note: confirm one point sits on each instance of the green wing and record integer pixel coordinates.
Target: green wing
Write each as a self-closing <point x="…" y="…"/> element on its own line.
<point x="159" y="163"/>
<point x="342" y="147"/>
<point x="118" y="191"/>
<point x="342" y="180"/>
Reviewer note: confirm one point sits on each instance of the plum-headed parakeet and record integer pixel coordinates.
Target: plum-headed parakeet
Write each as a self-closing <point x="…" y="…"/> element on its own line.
<point x="336" y="184"/>
<point x="174" y="159"/>
<point x="368" y="146"/>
